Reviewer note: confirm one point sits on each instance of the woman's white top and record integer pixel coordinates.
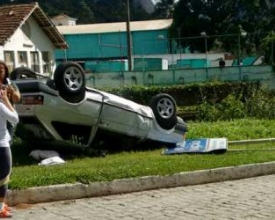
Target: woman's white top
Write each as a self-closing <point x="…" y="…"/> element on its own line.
<point x="6" y="115"/>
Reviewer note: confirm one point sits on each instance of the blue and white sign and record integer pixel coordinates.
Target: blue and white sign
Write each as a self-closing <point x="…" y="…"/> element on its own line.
<point x="201" y="145"/>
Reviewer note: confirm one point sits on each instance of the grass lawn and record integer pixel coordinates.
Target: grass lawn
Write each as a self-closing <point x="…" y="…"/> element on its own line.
<point x="80" y="168"/>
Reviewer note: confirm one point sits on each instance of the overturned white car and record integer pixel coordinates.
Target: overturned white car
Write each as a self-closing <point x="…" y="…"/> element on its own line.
<point x="64" y="109"/>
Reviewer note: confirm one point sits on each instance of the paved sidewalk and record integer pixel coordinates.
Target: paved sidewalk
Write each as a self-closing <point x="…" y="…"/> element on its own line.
<point x="251" y="198"/>
<point x="79" y="190"/>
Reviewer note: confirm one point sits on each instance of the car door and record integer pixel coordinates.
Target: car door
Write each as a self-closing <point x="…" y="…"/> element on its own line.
<point x="124" y="116"/>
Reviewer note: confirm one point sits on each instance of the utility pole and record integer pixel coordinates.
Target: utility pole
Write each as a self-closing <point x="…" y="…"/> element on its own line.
<point x="129" y="40"/>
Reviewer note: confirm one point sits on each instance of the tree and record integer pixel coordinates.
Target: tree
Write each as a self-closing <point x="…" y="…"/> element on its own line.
<point x="138" y="13"/>
<point x="191" y="18"/>
<point x="267" y="48"/>
<point x="83" y="13"/>
<point x="116" y="11"/>
<point x="164" y="9"/>
<point x="216" y="17"/>
<point x="89" y="11"/>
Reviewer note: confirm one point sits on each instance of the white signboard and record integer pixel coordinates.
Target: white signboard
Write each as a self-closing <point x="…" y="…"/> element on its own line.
<point x="201" y="145"/>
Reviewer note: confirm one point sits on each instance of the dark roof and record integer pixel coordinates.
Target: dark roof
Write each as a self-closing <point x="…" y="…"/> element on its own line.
<point x="13" y="16"/>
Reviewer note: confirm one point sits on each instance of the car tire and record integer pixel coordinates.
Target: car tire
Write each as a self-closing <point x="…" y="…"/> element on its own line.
<point x="69" y="78"/>
<point x="22" y="72"/>
<point x="164" y="109"/>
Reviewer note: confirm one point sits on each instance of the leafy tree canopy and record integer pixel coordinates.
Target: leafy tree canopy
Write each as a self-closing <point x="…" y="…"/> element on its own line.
<point x="89" y="11"/>
<point x="224" y="18"/>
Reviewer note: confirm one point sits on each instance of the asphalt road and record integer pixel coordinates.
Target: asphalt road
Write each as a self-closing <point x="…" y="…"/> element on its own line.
<point x="252" y="198"/>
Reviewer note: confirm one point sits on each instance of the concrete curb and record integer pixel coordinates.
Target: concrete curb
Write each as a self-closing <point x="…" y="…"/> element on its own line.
<point x="251" y="141"/>
<point x="77" y="191"/>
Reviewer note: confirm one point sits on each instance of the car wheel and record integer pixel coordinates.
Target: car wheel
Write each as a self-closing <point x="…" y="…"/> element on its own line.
<point x="164" y="108"/>
<point x="69" y="78"/>
<point x="21" y="73"/>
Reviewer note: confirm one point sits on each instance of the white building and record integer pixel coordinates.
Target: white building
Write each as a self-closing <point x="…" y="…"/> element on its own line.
<point x="28" y="38"/>
<point x="63" y="20"/>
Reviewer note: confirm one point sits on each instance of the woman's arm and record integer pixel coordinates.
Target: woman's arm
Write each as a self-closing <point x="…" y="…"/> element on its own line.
<point x="8" y="110"/>
<point x="13" y="93"/>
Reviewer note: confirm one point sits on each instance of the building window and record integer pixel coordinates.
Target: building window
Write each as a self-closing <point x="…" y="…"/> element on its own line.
<point x="22" y="58"/>
<point x="9" y="59"/>
<point x="46" y="62"/>
<point x="35" y="62"/>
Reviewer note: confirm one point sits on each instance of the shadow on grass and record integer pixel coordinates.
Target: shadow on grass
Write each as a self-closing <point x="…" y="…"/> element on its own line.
<point x="21" y="150"/>
<point x="20" y="155"/>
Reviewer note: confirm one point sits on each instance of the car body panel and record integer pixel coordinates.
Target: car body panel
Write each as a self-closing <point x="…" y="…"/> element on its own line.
<point x="95" y="116"/>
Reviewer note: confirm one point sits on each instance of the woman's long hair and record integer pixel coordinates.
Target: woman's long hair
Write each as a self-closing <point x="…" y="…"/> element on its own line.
<point x="6" y="71"/>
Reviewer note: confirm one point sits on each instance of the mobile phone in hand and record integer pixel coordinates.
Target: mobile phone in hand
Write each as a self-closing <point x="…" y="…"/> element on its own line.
<point x="8" y="81"/>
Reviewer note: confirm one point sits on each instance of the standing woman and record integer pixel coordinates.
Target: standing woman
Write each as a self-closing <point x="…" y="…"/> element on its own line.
<point x="7" y="114"/>
<point x="13" y="92"/>
<point x="13" y="95"/>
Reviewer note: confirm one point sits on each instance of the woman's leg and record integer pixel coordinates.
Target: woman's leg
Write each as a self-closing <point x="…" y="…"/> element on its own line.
<point x="5" y="164"/>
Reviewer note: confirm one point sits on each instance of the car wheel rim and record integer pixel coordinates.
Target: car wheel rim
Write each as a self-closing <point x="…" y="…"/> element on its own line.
<point x="73" y="78"/>
<point x="165" y="108"/>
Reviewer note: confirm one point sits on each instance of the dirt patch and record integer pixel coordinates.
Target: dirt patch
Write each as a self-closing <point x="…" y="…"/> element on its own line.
<point x="23" y="206"/>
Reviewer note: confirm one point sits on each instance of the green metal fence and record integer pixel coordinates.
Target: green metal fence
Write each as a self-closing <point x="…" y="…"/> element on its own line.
<point x="263" y="74"/>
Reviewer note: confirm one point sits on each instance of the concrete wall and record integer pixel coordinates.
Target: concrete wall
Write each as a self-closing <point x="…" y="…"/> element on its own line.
<point x="264" y="74"/>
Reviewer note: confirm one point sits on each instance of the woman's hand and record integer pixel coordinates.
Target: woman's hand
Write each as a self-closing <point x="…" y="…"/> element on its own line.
<point x="4" y="94"/>
<point x="5" y="99"/>
<point x="10" y="91"/>
<point x="13" y="94"/>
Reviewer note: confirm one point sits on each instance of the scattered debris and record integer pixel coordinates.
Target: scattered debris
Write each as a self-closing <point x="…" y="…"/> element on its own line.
<point x="51" y="161"/>
<point x="47" y="157"/>
<point x="43" y="154"/>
